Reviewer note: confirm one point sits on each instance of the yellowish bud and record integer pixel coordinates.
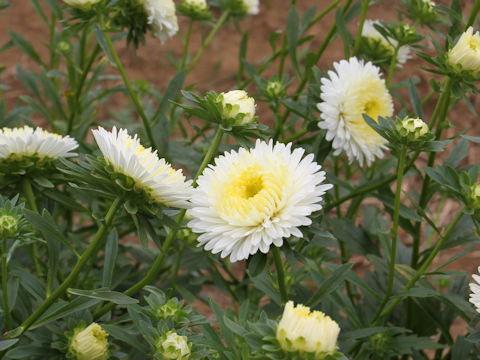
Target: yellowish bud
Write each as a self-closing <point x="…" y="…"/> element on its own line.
<point x="90" y="343"/>
<point x="307" y="331"/>
<point x="412" y="128"/>
<point x="174" y="347"/>
<point x="81" y="3"/>
<point x="466" y="51"/>
<point x="238" y="102"/>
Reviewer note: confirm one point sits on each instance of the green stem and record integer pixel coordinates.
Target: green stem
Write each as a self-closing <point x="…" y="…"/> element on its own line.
<point x="394" y="231"/>
<point x="440" y="112"/>
<point x="473" y="14"/>
<point x="133" y="95"/>
<point x="209" y="38"/>
<point x="153" y="272"/>
<point x="74" y="273"/>
<point x="28" y="192"/>
<point x="53" y="47"/>
<point x="78" y="91"/>
<point x="187" y="43"/>
<point x="358" y="38"/>
<point x="277" y="257"/>
<point x="6" y="308"/>
<point x="391" y="68"/>
<point x="421" y="271"/>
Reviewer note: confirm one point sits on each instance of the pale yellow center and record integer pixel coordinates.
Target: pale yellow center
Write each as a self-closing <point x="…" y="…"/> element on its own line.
<point x="366" y="96"/>
<point x="250" y="194"/>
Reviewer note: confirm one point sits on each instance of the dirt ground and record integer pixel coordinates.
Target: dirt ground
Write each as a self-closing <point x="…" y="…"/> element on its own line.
<point x="214" y="70"/>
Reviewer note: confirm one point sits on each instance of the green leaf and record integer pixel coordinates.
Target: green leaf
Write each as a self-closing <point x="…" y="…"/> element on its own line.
<point x="5" y="344"/>
<point x="342" y="30"/>
<point x="325" y="287"/>
<point x="111" y="251"/>
<point x="458" y="153"/>
<point x="25" y="47"/>
<point x="126" y="335"/>
<point x="103" y="43"/>
<point x="292" y="37"/>
<point x="415" y="99"/>
<point x="106" y="295"/>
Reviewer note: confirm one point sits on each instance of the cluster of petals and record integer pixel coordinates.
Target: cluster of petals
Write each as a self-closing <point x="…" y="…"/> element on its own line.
<point x="26" y="142"/>
<point x="251" y="199"/>
<point x="466" y="51"/>
<point x="153" y="174"/>
<point x="162" y="18"/>
<point x="354" y="88"/>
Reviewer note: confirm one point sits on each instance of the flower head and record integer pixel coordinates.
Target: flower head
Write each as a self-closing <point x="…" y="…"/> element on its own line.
<point x="251" y="6"/>
<point x="154" y="175"/>
<point x="161" y="18"/>
<point x="196" y="9"/>
<point x="387" y="46"/>
<point x="475" y="291"/>
<point x="82" y="4"/>
<point x="174" y="346"/>
<point x="33" y="146"/>
<point x="412" y="128"/>
<point x="307" y="331"/>
<point x="353" y="89"/>
<point x="237" y="105"/>
<point x="253" y="198"/>
<point x="466" y="52"/>
<point x="89" y="343"/>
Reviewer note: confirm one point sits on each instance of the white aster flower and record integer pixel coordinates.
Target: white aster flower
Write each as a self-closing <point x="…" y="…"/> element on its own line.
<point x="466" y="51"/>
<point x="353" y="89"/>
<point x="369" y="31"/>
<point x="90" y="343"/>
<point x="252" y="6"/>
<point x="307" y="331"/>
<point x="475" y="291"/>
<point x="27" y="142"/>
<point x="162" y="18"/>
<point x="253" y="198"/>
<point x="154" y="175"/>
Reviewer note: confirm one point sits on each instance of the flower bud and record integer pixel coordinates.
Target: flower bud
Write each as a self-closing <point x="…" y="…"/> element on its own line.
<point x="238" y="106"/>
<point x="421" y="11"/>
<point x="412" y="128"/>
<point x="251" y="6"/>
<point x="466" y="52"/>
<point x="275" y="89"/>
<point x="169" y="310"/>
<point x="82" y="4"/>
<point x="311" y="332"/>
<point x="90" y="343"/>
<point x="8" y="225"/>
<point x="476" y="197"/>
<point x="195" y="9"/>
<point x="174" y="346"/>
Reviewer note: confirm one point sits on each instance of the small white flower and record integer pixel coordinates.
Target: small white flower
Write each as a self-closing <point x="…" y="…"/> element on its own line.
<point x="369" y="31"/>
<point x="412" y="128"/>
<point x="251" y="199"/>
<point x="466" y="51"/>
<point x="475" y="289"/>
<point x="81" y="3"/>
<point x="127" y="156"/>
<point x="90" y="343"/>
<point x="27" y="142"/>
<point x="353" y="89"/>
<point x="252" y="6"/>
<point x="174" y="347"/>
<point x="307" y="331"/>
<point x="162" y="18"/>
<point x="239" y="103"/>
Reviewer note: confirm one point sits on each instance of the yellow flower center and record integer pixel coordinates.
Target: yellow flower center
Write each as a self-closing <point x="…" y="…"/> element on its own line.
<point x="366" y="96"/>
<point x="250" y="195"/>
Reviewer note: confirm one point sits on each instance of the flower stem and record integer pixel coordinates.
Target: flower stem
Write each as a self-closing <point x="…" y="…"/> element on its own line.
<point x="358" y="38"/>
<point x="126" y="81"/>
<point x="473" y="14"/>
<point x="187" y="43"/>
<point x="154" y="270"/>
<point x="209" y="38"/>
<point x="277" y="257"/>
<point x="28" y="193"/>
<point x="421" y="271"/>
<point x="391" y="68"/>
<point x="394" y="231"/>
<point x="442" y="109"/>
<point x="6" y="308"/>
<point x="73" y="274"/>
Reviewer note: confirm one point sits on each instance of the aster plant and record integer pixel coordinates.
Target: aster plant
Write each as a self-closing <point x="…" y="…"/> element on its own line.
<point x="316" y="202"/>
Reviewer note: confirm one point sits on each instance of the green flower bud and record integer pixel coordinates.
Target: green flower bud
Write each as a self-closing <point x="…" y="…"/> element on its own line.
<point x="8" y="225"/>
<point x="173" y="346"/>
<point x="81" y="4"/>
<point x="412" y="128"/>
<point x="196" y="9"/>
<point x="64" y="47"/>
<point x="90" y="343"/>
<point x="421" y="11"/>
<point x="476" y="197"/>
<point x="275" y="89"/>
<point x="237" y="106"/>
<point x="169" y="310"/>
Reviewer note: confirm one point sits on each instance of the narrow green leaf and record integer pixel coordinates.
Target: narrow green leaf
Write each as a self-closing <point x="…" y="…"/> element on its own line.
<point x="106" y="295"/>
<point x="111" y="251"/>
<point x="325" y="287"/>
